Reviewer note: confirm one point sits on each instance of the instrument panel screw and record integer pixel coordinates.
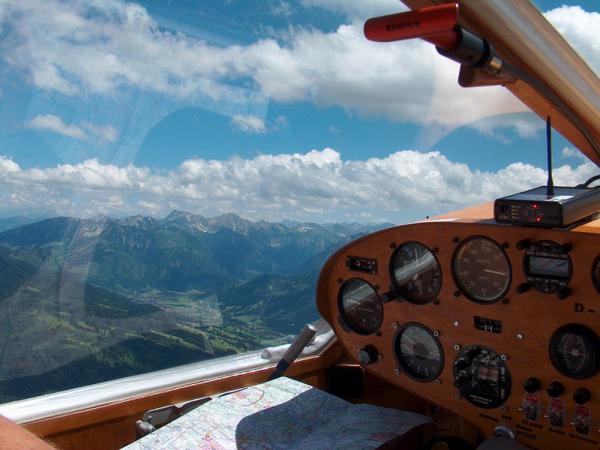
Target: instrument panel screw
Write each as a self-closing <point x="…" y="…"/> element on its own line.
<point x="505" y="301"/>
<point x="504" y="408"/>
<point x="503" y="357"/>
<point x="438" y="381"/>
<point x="457" y="396"/>
<point x="378" y="333"/>
<point x="436" y="301"/>
<point x="436" y="333"/>
<point x="395" y="325"/>
<point x="456" y="323"/>
<point x="435" y="250"/>
<point x="340" y="280"/>
<point x="379" y="356"/>
<point x="393" y="245"/>
<point x="505" y="245"/>
<point x="457" y="293"/>
<point x="397" y="371"/>
<point x="456" y="239"/>
<point x="457" y="347"/>
<point x="520" y="336"/>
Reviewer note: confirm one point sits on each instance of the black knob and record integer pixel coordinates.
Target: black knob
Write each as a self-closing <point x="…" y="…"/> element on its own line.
<point x="581" y="395"/>
<point x="532" y="385"/>
<point x="563" y="293"/>
<point x="523" y="244"/>
<point x="368" y="355"/>
<point x="522" y="288"/>
<point x="462" y="363"/>
<point x="555" y="389"/>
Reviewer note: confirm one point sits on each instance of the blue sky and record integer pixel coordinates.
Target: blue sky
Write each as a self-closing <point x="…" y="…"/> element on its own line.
<point x="275" y="110"/>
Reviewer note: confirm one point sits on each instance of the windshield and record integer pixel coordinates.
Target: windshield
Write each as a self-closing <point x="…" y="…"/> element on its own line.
<point x="174" y="174"/>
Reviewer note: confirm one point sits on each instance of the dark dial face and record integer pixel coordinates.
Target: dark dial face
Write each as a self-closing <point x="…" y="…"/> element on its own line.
<point x="419" y="352"/>
<point x="596" y="273"/>
<point x="416" y="273"/>
<point x="481" y="270"/>
<point x="360" y="306"/>
<point x="574" y="351"/>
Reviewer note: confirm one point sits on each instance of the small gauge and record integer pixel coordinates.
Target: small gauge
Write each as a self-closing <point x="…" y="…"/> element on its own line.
<point x="419" y="352"/>
<point x="360" y="306"/>
<point x="416" y="273"/>
<point x="575" y="351"/>
<point x="481" y="376"/>
<point x="596" y="273"/>
<point x="481" y="269"/>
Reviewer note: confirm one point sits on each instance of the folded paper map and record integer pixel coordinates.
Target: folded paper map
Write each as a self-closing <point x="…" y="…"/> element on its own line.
<point x="281" y="414"/>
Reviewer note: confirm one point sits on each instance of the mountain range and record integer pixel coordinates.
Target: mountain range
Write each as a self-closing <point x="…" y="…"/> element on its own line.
<point x="88" y="300"/>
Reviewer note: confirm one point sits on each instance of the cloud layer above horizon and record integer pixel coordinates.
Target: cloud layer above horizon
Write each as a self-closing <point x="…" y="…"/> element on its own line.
<point x="318" y="186"/>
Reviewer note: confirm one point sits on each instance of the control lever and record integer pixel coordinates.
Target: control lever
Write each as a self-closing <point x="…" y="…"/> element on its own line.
<point x="158" y="417"/>
<point x="294" y="350"/>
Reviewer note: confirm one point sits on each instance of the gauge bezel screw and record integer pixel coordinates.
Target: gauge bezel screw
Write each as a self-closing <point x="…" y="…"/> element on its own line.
<point x="457" y="323"/>
<point x="520" y="336"/>
<point x="456" y="347"/>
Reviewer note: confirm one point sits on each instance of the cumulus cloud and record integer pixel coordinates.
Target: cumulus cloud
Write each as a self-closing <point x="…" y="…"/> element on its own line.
<point x="580" y="28"/>
<point x="318" y="185"/>
<point x="570" y="152"/>
<point x="249" y="124"/>
<point x="55" y="124"/>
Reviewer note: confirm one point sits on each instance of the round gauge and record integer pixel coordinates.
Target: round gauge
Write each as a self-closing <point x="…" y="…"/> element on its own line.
<point x="481" y="376"/>
<point x="360" y="306"/>
<point x="419" y="352"/>
<point x="575" y="351"/>
<point x="481" y="269"/>
<point x="596" y="273"/>
<point x="416" y="273"/>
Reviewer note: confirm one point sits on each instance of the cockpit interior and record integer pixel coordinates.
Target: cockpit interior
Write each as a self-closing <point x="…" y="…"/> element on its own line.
<point x="485" y="321"/>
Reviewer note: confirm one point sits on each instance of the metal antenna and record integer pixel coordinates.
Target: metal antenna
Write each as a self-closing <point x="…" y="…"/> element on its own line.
<point x="550" y="184"/>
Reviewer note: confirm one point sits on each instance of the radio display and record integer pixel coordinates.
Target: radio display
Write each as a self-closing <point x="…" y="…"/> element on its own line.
<point x="548" y="267"/>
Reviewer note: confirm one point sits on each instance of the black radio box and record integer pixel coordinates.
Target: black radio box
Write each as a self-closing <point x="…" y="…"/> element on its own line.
<point x="535" y="207"/>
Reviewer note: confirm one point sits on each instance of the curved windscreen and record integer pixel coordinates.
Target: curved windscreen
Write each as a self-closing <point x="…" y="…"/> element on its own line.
<point x="174" y="174"/>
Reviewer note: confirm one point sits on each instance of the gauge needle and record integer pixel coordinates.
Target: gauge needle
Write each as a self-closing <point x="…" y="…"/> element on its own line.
<point x="495" y="272"/>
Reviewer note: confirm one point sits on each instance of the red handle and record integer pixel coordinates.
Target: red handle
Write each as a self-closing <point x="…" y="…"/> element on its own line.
<point x="435" y="24"/>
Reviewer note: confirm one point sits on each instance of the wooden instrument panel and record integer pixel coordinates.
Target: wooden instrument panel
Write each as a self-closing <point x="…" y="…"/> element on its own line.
<point x="528" y="321"/>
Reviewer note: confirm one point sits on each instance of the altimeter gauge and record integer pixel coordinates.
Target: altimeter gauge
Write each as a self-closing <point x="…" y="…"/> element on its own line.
<point x="481" y="269"/>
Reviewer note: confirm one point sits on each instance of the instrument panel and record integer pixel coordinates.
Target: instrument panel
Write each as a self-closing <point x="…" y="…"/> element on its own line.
<point x="496" y="323"/>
